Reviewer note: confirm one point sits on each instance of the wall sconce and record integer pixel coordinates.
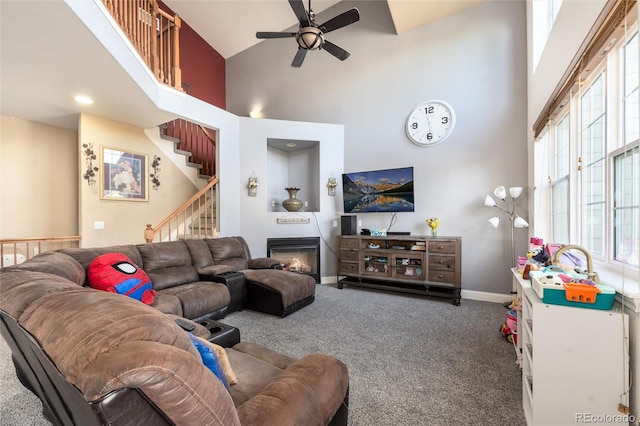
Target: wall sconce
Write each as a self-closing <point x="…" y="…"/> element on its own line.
<point x="331" y="186"/>
<point x="253" y="185"/>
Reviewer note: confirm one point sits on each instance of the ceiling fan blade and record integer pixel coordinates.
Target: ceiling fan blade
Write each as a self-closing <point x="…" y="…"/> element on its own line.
<point x="336" y="51"/>
<point x="300" y="11"/>
<point x="297" y="60"/>
<point x="267" y="34"/>
<point x="342" y="20"/>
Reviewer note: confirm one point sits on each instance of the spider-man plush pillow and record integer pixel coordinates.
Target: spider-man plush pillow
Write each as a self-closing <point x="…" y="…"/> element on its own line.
<point x="116" y="273"/>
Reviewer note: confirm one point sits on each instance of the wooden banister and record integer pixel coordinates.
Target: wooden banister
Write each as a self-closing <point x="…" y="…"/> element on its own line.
<point x="193" y="219"/>
<point x="17" y="250"/>
<point x="154" y="33"/>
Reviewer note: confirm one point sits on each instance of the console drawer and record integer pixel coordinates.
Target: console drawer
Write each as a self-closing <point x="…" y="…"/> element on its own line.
<point x="442" y="247"/>
<point x="349" y="244"/>
<point x="349" y="268"/>
<point x="442" y="262"/>
<point x="349" y="256"/>
<point x="442" y="276"/>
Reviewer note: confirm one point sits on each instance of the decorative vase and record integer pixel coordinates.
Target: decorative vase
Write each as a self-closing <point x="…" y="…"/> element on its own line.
<point x="292" y="204"/>
<point x="434" y="232"/>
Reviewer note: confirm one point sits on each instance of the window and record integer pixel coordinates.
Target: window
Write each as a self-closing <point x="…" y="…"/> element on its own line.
<point x="592" y="146"/>
<point x="630" y="97"/>
<point x="594" y="158"/>
<point x="544" y="15"/>
<point x="626" y="208"/>
<point x="560" y="186"/>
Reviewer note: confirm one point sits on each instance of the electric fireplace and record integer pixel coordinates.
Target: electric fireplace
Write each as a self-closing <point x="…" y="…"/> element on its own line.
<point x="298" y="254"/>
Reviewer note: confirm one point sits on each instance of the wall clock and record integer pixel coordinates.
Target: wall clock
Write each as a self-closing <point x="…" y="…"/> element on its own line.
<point x="430" y="123"/>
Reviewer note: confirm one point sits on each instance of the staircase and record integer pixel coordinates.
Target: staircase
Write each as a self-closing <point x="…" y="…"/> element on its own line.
<point x="155" y="35"/>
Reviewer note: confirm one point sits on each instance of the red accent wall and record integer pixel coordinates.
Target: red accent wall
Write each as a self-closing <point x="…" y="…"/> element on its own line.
<point x="202" y="66"/>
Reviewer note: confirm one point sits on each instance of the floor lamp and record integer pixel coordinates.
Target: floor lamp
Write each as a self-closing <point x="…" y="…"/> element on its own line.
<point x="509" y="208"/>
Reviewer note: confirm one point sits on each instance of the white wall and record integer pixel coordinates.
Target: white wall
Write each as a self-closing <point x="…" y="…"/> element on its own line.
<point x="474" y="60"/>
<point x="256" y="218"/>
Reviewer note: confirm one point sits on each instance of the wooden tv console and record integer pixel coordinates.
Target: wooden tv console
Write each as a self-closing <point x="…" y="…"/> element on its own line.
<point x="412" y="264"/>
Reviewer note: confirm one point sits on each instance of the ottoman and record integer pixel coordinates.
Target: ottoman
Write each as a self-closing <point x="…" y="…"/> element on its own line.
<point x="278" y="292"/>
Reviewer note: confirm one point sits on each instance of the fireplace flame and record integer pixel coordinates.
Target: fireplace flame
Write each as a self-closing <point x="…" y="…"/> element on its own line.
<point x="296" y="265"/>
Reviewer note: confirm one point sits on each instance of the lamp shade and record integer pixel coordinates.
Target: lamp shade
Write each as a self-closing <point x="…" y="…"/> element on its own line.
<point x="520" y="223"/>
<point x="500" y="192"/>
<point x="494" y="221"/>
<point x="515" y="191"/>
<point x="489" y="202"/>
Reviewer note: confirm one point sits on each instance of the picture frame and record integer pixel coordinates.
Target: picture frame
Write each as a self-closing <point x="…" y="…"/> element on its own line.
<point x="124" y="175"/>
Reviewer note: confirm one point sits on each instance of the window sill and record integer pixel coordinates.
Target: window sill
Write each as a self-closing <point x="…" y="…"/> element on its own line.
<point x="626" y="284"/>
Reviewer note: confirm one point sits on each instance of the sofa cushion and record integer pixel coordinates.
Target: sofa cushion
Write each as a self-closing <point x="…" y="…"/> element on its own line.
<point x="124" y="343"/>
<point x="19" y="288"/>
<point x="56" y="263"/>
<point x="200" y="297"/>
<point x="84" y="256"/>
<point x="200" y="253"/>
<point x="167" y="303"/>
<point x="228" y="251"/>
<point x="168" y="264"/>
<point x="315" y="385"/>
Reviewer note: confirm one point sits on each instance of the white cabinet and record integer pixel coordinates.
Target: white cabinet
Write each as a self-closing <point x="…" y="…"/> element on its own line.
<point x="574" y="362"/>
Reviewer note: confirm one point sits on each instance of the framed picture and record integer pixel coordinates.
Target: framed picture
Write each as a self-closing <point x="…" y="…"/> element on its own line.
<point x="124" y="175"/>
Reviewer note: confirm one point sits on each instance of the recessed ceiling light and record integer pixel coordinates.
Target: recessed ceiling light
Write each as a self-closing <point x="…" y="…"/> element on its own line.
<point x="291" y="144"/>
<point x="85" y="100"/>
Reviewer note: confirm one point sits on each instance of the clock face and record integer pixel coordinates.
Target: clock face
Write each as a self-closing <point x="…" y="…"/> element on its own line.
<point x="430" y="123"/>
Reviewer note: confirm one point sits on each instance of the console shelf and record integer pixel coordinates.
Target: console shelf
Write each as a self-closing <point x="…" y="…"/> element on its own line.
<point x="412" y="264"/>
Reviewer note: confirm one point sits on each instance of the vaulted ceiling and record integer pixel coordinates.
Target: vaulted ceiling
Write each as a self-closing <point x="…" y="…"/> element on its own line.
<point x="47" y="55"/>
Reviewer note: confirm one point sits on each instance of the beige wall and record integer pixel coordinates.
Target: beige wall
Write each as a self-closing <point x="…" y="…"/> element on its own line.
<point x="124" y="221"/>
<point x="38" y="180"/>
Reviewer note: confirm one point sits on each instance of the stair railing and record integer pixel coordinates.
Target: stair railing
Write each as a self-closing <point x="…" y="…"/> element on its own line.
<point x="194" y="219"/>
<point x="17" y="250"/>
<point x="155" y="35"/>
<point x="198" y="140"/>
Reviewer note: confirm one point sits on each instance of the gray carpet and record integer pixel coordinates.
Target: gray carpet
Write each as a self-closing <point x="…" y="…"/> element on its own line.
<point x="412" y="360"/>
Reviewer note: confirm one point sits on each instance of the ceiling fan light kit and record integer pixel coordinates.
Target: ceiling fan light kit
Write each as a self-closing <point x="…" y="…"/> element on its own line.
<point x="310" y="36"/>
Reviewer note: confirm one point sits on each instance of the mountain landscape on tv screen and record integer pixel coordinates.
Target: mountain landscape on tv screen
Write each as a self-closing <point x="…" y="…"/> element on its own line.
<point x="378" y="191"/>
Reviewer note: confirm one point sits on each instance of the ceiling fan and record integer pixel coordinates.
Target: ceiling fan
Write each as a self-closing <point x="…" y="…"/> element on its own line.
<point x="310" y="36"/>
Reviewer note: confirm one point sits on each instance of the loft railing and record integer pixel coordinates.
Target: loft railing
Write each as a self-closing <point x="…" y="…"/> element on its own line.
<point x="197" y="140"/>
<point x="196" y="218"/>
<point x="14" y="251"/>
<point x="154" y="33"/>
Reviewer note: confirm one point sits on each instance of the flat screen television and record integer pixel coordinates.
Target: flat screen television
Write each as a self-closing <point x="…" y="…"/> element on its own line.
<point x="378" y="191"/>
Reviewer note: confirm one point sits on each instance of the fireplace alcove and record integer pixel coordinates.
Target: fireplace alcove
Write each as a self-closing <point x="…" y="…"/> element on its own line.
<point x="297" y="254"/>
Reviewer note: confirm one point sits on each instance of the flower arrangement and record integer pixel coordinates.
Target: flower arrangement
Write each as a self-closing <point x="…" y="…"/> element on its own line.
<point x="433" y="223"/>
<point x="89" y="156"/>
<point x="155" y="176"/>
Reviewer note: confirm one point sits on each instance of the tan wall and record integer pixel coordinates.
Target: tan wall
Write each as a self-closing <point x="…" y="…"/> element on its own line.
<point x="38" y="180"/>
<point x="124" y="221"/>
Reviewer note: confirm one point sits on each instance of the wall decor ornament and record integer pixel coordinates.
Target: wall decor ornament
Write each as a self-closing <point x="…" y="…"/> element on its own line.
<point x="331" y="185"/>
<point x="155" y="176"/>
<point x="124" y="175"/>
<point x="292" y="203"/>
<point x="89" y="157"/>
<point x="253" y="185"/>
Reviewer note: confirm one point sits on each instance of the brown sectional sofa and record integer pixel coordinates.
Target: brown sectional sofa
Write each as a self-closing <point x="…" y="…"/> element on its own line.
<point x="95" y="357"/>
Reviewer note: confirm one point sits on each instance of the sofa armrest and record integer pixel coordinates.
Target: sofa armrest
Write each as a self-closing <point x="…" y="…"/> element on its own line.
<point x="264" y="263"/>
<point x="310" y="391"/>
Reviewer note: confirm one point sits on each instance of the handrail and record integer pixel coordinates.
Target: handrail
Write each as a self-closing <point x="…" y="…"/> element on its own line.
<point x="21" y="249"/>
<point x="195" y="218"/>
<point x="154" y="33"/>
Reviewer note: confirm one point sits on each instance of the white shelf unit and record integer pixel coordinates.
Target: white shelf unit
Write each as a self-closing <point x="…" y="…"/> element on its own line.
<point x="575" y="362"/>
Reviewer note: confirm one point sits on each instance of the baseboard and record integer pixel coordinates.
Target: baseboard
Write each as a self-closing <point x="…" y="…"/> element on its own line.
<point x="485" y="296"/>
